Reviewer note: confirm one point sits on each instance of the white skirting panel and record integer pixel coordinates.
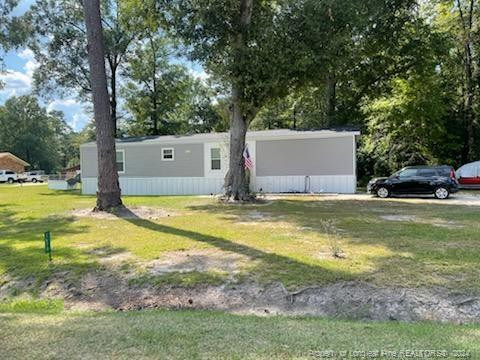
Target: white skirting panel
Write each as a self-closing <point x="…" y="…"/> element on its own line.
<point x="161" y="186"/>
<point x="60" y="185"/>
<point x="342" y="184"/>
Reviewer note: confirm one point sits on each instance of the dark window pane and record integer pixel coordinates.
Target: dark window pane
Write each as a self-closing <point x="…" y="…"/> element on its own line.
<point x="216" y="164"/>
<point x="167" y="154"/>
<point x="408" y="173"/>
<point x="427" y="173"/>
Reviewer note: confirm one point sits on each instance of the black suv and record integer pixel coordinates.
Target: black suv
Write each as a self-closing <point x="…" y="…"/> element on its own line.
<point x="437" y="180"/>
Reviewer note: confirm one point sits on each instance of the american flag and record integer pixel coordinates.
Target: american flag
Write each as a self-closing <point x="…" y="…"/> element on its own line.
<point x="247" y="159"/>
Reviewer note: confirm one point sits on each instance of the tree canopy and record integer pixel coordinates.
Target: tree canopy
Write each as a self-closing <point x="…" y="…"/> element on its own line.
<point x="41" y="138"/>
<point x="406" y="72"/>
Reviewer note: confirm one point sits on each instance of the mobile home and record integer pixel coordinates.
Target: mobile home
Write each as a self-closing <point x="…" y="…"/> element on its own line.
<point x="284" y="161"/>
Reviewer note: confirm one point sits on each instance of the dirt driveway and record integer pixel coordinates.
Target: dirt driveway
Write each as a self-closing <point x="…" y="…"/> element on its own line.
<point x="461" y="198"/>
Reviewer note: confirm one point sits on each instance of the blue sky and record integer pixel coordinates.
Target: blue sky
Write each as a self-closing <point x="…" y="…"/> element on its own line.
<point x="20" y="65"/>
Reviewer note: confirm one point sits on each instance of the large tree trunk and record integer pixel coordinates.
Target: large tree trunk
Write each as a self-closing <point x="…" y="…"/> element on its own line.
<point x="330" y="98"/>
<point x="108" y="195"/>
<point x="469" y="87"/>
<point x="113" y="100"/>
<point x="154" y="95"/>
<point x="236" y="184"/>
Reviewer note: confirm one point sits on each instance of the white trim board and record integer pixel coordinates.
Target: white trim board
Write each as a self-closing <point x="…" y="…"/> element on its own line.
<point x="221" y="137"/>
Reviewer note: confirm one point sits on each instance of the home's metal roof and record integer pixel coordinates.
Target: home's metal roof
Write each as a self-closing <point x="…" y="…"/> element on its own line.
<point x="251" y="135"/>
<point x="17" y="159"/>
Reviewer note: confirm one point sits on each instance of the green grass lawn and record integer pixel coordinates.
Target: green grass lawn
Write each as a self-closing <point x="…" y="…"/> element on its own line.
<point x="287" y="240"/>
<point x="212" y="335"/>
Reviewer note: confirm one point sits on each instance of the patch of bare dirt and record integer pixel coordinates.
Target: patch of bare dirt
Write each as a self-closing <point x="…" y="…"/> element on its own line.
<point x="399" y="218"/>
<point x="103" y="289"/>
<point x="449" y="224"/>
<point x="139" y="212"/>
<point x="462" y="198"/>
<point x="255" y="217"/>
<point x="99" y="291"/>
<point x="197" y="260"/>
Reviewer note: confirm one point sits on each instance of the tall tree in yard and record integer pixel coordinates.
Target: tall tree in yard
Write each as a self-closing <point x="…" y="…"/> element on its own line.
<point x="466" y="13"/>
<point x="59" y="46"/>
<point x="261" y="50"/>
<point x="108" y="195"/>
<point x="246" y="45"/>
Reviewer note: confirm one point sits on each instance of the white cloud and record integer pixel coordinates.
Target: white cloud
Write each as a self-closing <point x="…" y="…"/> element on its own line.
<point x="59" y="104"/>
<point x="200" y="75"/>
<point x="31" y="64"/>
<point x="15" y="83"/>
<point x="26" y="54"/>
<point x="19" y="82"/>
<point x="75" y="112"/>
<point x="79" y="121"/>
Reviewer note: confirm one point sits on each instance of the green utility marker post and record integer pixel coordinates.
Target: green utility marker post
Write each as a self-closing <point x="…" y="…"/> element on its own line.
<point x="48" y="245"/>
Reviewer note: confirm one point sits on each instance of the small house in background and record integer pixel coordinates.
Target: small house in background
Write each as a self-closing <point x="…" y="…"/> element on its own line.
<point x="70" y="172"/>
<point x="280" y="161"/>
<point x="8" y="161"/>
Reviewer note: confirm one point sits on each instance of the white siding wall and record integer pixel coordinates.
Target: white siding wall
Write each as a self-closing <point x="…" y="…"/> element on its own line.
<point x="160" y="186"/>
<point x="60" y="185"/>
<point x="341" y="184"/>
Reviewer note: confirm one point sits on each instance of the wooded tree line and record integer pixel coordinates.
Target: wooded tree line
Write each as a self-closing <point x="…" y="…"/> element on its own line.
<point x="406" y="72"/>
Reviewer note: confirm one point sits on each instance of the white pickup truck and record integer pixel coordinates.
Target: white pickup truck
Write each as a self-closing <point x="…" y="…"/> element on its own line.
<point x="8" y="176"/>
<point x="35" y="176"/>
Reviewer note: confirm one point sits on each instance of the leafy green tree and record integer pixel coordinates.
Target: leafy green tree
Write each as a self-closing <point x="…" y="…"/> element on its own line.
<point x="60" y="47"/>
<point x="6" y="8"/>
<point x="12" y="29"/>
<point x="460" y="20"/>
<point x="265" y="50"/>
<point x="30" y="132"/>
<point x="164" y="98"/>
<point x="257" y="50"/>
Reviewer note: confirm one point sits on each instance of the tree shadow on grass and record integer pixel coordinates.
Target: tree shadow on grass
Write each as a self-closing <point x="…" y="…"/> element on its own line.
<point x="422" y="252"/>
<point x="267" y="266"/>
<point x="22" y="255"/>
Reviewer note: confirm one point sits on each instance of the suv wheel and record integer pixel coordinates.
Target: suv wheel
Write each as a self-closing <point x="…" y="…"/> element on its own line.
<point x="10" y="180"/>
<point x="383" y="192"/>
<point x="34" y="180"/>
<point x="441" y="193"/>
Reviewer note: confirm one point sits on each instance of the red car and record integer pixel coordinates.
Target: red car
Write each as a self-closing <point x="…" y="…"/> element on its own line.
<point x="469" y="175"/>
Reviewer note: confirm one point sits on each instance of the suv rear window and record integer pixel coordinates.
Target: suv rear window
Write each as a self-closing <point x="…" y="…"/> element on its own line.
<point x="9" y="172"/>
<point x="444" y="172"/>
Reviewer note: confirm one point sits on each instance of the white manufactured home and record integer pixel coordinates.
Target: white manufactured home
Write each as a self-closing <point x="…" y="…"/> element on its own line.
<point x="284" y="161"/>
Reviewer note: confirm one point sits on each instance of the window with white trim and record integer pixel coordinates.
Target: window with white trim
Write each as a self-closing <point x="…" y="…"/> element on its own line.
<point x="168" y="154"/>
<point x="120" y="161"/>
<point x="215" y="159"/>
